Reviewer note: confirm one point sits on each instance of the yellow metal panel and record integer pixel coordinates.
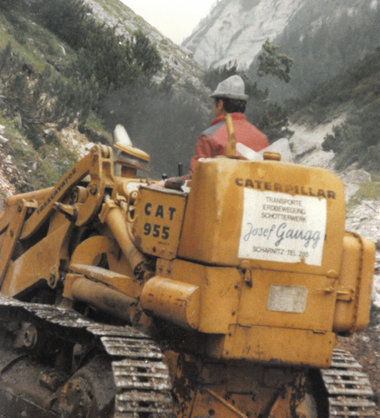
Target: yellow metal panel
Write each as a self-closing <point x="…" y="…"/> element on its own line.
<point x="10" y="233"/>
<point x="222" y="191"/>
<point x="354" y="284"/>
<point x="266" y="315"/>
<point x="159" y="216"/>
<point x="219" y="296"/>
<point x="40" y="262"/>
<point x="364" y="287"/>
<point x="275" y="345"/>
<point x="289" y="300"/>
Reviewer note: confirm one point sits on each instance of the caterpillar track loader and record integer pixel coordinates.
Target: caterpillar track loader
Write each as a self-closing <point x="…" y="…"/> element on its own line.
<point x="122" y="298"/>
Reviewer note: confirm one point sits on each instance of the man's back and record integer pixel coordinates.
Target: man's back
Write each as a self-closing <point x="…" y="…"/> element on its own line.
<point x="213" y="141"/>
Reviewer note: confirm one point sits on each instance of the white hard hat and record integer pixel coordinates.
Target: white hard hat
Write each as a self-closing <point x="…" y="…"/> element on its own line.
<point x="231" y="88"/>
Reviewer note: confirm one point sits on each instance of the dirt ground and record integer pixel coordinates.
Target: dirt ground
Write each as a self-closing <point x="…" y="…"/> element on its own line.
<point x="365" y="347"/>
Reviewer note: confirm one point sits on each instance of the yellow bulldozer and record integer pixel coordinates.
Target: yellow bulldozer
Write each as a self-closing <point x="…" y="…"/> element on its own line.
<point x="123" y="298"/>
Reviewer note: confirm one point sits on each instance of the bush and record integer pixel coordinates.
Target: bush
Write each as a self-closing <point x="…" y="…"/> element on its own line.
<point x="68" y="19"/>
<point x="110" y="58"/>
<point x="57" y="93"/>
<point x="39" y="99"/>
<point x="35" y="169"/>
<point x="357" y="140"/>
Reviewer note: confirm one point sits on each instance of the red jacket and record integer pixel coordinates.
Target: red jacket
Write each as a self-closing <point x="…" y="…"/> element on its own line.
<point x="213" y="141"/>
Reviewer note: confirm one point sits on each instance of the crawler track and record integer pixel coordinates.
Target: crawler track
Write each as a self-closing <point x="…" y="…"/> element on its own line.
<point x="348" y="388"/>
<point x="141" y="378"/>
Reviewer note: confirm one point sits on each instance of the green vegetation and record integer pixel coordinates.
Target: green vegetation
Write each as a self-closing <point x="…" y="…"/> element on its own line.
<point x="356" y="92"/>
<point x="367" y="191"/>
<point x="37" y="99"/>
<point x="40" y="168"/>
<point x="63" y="67"/>
<point x="321" y="50"/>
<point x="273" y="63"/>
<point x="111" y="59"/>
<point x="57" y="63"/>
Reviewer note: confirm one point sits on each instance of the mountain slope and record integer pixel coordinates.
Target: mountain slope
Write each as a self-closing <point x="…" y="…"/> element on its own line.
<point x="235" y="30"/>
<point x="323" y="37"/>
<point x="175" y="60"/>
<point x="58" y="66"/>
<point x="356" y="93"/>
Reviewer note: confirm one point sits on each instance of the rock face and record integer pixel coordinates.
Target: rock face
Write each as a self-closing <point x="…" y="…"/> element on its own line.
<point x="235" y="30"/>
<point x="10" y="179"/>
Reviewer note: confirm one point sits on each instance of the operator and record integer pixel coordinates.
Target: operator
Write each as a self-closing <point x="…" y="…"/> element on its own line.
<point x="229" y="97"/>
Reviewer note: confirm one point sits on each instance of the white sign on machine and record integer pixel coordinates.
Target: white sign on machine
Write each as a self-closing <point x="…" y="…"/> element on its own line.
<point x="281" y="227"/>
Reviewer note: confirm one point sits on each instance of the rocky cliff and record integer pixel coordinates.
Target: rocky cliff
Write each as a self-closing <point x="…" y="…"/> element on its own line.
<point x="235" y="29"/>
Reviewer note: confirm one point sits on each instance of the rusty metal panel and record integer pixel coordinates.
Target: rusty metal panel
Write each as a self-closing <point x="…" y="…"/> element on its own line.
<point x="276" y="345"/>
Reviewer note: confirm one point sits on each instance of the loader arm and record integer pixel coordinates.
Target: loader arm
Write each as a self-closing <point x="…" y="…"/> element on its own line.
<point x="99" y="165"/>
